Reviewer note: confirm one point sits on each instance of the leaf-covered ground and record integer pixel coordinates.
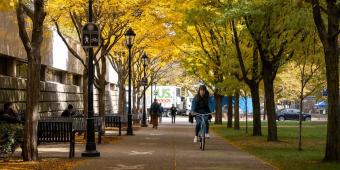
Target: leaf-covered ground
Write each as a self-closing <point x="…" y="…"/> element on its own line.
<point x="54" y="163"/>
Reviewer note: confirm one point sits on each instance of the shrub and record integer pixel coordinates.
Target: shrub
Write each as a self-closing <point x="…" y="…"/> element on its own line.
<point x="11" y="137"/>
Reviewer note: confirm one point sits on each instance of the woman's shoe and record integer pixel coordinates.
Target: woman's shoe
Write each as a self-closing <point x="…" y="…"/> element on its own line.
<point x="207" y="135"/>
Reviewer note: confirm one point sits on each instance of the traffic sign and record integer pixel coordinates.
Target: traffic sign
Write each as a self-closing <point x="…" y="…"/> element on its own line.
<point x="325" y="92"/>
<point x="90" y="35"/>
<point x="144" y="81"/>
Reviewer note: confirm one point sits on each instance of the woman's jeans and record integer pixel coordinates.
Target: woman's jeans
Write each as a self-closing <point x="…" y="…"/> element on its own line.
<point x="198" y="124"/>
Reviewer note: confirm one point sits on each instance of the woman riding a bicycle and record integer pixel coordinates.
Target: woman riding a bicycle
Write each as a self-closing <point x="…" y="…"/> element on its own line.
<point x="200" y="105"/>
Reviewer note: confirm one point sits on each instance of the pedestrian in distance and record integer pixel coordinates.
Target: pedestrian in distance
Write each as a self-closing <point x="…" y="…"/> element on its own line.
<point x="155" y="110"/>
<point x="173" y="111"/>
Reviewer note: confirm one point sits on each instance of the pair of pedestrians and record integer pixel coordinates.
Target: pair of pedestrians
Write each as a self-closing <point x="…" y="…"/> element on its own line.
<point x="155" y="113"/>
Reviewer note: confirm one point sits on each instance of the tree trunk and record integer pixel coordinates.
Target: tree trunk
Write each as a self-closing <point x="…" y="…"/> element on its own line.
<point x="254" y="88"/>
<point x="121" y="99"/>
<point x="134" y="101"/>
<point x="329" y="39"/>
<point x="270" y="103"/>
<point x="139" y="98"/>
<point x="85" y="95"/>
<point x="32" y="48"/>
<point x="236" y="111"/>
<point x="218" y="107"/>
<point x="102" y="86"/>
<point x="230" y="112"/>
<point x="333" y="127"/>
<point x="30" y="150"/>
<point x="101" y="100"/>
<point x="300" y="121"/>
<point x="264" y="109"/>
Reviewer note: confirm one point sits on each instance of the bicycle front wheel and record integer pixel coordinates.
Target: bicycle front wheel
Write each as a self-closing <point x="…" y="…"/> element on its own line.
<point x="203" y="141"/>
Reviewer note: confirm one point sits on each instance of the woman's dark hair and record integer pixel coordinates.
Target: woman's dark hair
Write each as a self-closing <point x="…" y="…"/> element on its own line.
<point x="205" y="98"/>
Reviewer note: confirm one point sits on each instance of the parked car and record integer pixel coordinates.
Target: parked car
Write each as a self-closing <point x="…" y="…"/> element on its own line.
<point x="291" y="114"/>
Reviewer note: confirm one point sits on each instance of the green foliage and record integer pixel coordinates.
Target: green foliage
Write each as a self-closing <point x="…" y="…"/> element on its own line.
<point x="11" y="136"/>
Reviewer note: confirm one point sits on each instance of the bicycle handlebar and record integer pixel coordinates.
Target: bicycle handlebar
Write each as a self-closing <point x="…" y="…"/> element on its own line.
<point x="200" y="114"/>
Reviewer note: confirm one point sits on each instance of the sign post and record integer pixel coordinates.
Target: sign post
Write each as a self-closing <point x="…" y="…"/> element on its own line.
<point x="90" y="38"/>
<point x="325" y="93"/>
<point x="144" y="81"/>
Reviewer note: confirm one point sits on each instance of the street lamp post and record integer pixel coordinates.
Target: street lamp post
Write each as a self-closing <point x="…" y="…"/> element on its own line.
<point x="129" y="36"/>
<point x="144" y="81"/>
<point x="90" y="150"/>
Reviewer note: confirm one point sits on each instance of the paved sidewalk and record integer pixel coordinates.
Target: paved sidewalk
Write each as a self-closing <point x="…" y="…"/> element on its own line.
<point x="171" y="148"/>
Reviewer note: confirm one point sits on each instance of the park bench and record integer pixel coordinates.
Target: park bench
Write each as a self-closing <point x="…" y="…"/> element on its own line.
<point x="79" y="124"/>
<point x="57" y="131"/>
<point x="114" y="121"/>
<point x="136" y="118"/>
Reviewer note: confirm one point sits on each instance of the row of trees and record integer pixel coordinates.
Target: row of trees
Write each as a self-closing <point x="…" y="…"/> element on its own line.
<point x="260" y="44"/>
<point x="224" y="43"/>
<point x="113" y="19"/>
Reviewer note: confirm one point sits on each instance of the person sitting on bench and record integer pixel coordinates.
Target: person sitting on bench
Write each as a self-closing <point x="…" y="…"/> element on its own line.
<point x="10" y="114"/>
<point x="69" y="112"/>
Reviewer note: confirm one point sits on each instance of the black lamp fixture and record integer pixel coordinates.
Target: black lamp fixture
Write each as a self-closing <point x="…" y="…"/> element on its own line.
<point x="130" y="37"/>
<point x="145" y="59"/>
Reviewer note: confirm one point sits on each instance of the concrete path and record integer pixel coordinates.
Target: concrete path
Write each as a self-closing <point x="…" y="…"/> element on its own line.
<point x="171" y="147"/>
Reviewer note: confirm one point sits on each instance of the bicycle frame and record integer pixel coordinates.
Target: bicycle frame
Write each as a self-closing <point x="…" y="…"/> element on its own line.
<point x="202" y="131"/>
<point x="203" y="127"/>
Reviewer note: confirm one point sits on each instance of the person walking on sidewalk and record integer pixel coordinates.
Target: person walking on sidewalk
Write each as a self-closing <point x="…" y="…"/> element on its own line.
<point x="173" y="111"/>
<point x="155" y="110"/>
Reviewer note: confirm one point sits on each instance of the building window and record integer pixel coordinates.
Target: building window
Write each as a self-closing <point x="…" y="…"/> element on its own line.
<point x="21" y="69"/>
<point x="3" y="66"/>
<point x="53" y="75"/>
<point x="76" y="80"/>
<point x="112" y="87"/>
<point x="70" y="79"/>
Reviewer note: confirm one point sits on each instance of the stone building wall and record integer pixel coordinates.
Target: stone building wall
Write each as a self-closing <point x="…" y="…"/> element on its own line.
<point x="54" y="97"/>
<point x="61" y="73"/>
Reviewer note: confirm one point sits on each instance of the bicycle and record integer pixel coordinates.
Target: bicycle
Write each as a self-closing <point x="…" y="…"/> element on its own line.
<point x="202" y="131"/>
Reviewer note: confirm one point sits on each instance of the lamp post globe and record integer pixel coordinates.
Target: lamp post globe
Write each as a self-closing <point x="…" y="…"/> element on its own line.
<point x="130" y="37"/>
<point x="145" y="58"/>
